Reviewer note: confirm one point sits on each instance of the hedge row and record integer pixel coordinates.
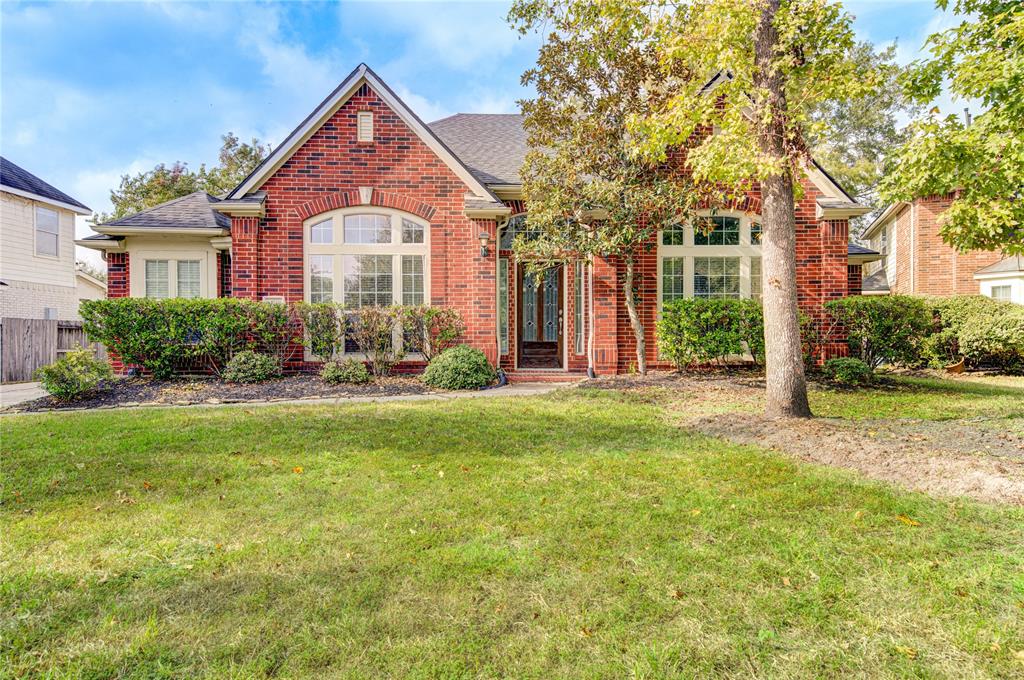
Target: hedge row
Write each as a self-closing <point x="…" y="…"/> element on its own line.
<point x="896" y="330"/>
<point x="172" y="336"/>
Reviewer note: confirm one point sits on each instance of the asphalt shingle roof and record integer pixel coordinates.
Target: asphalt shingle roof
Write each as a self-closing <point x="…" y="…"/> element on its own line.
<point x="194" y="211"/>
<point x="854" y="249"/>
<point x="492" y="145"/>
<point x="876" y="283"/>
<point x="1009" y="265"/>
<point x="16" y="177"/>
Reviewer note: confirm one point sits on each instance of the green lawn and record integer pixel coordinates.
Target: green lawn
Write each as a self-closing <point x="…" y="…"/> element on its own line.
<point x="576" y="535"/>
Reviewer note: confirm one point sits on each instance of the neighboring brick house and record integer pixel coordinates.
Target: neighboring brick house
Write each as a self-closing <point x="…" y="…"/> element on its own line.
<point x="37" y="247"/>
<point x="365" y="204"/>
<point x="915" y="260"/>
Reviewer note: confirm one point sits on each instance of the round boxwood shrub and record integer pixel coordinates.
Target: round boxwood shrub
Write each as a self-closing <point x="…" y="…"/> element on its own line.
<point x="74" y="375"/>
<point x="350" y="372"/>
<point x="459" y="368"/>
<point x="251" y="367"/>
<point x="847" y="371"/>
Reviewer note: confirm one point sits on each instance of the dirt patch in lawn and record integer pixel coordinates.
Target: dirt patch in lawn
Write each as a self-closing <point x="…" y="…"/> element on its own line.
<point x="181" y="392"/>
<point x="945" y="458"/>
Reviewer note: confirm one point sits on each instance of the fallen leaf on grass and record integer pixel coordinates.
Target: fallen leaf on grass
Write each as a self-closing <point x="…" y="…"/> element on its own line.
<point x="586" y="632"/>
<point x="147" y="486"/>
<point x="785" y="581"/>
<point x="297" y="469"/>
<point x="695" y="512"/>
<point x="909" y="521"/>
<point x="908" y="652"/>
<point x="440" y="473"/>
<point x="675" y="593"/>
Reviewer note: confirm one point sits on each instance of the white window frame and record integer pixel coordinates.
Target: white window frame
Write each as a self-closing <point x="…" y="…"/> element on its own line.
<point x="338" y="249"/>
<point x="744" y="251"/>
<point x="207" y="271"/>
<point x="35" y="231"/>
<point x="1001" y="286"/>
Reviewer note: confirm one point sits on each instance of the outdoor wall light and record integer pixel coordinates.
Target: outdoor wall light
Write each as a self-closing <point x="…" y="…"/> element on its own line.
<point x="485" y="238"/>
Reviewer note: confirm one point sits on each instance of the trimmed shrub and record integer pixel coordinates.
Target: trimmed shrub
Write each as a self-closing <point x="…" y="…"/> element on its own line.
<point x="700" y="331"/>
<point x="883" y="329"/>
<point x="324" y="327"/>
<point x="459" y="368"/>
<point x="74" y="375"/>
<point x="373" y="330"/>
<point x="350" y="372"/>
<point x="847" y="371"/>
<point x="251" y="367"/>
<point x="168" y="336"/>
<point x="431" y="330"/>
<point x="987" y="332"/>
<point x="940" y="349"/>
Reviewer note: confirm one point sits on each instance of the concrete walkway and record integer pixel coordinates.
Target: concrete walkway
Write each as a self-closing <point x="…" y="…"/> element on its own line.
<point x="514" y="390"/>
<point x="15" y="393"/>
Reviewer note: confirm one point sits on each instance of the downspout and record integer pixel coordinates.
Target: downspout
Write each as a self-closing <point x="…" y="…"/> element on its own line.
<point x="498" y="226"/>
<point x="913" y="247"/>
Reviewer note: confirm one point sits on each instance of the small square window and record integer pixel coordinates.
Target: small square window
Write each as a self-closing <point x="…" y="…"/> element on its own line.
<point x="412" y="232"/>
<point x="1002" y="293"/>
<point x="717" y="231"/>
<point x="672" y="235"/>
<point x="364" y="126"/>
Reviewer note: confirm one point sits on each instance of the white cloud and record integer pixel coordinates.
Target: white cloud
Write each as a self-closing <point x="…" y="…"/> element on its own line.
<point x="427" y="109"/>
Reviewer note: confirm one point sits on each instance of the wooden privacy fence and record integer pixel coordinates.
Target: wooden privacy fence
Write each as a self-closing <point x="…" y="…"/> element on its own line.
<point x="28" y="344"/>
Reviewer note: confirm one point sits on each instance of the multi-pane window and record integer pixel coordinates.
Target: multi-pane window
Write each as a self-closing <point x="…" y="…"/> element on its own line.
<point x="157" y="279"/>
<point x="755" y="278"/>
<point x="322" y="232"/>
<point x="672" y="279"/>
<point x="367" y="229"/>
<point x="47" y="232"/>
<point x="412" y="279"/>
<point x="188" y="279"/>
<point x="503" y="304"/>
<point x="673" y="235"/>
<point x="368" y="280"/>
<point x="412" y="232"/>
<point x="577" y="317"/>
<point x="321" y="278"/>
<point x="717" y="231"/>
<point x="716" y="277"/>
<point x="755" y="233"/>
<point x="1002" y="293"/>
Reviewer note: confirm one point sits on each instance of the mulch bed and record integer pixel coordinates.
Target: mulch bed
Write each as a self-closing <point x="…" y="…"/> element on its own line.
<point x="208" y="390"/>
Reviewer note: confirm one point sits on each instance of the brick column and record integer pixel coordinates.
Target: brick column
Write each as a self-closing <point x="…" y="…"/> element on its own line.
<point x="245" y="257"/>
<point x="606" y="310"/>
<point x="118" y="275"/>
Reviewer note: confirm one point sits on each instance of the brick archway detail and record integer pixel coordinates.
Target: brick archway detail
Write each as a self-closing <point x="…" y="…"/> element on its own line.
<point x="352" y="199"/>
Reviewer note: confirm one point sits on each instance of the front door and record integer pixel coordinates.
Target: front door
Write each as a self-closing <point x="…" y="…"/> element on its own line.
<point x="540" y="318"/>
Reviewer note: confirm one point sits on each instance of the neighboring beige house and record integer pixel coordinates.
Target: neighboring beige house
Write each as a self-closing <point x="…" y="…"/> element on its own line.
<point x="88" y="286"/>
<point x="916" y="261"/>
<point x="1003" y="280"/>
<point x="37" y="247"/>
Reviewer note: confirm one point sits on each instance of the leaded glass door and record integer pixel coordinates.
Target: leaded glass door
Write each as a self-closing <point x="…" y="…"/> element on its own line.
<point x="540" y="318"/>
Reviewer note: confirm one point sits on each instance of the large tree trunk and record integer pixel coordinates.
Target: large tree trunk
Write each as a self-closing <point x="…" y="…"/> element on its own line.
<point x="784" y="368"/>
<point x="629" y="293"/>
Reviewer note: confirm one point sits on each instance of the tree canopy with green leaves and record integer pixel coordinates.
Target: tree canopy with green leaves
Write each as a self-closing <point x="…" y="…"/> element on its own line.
<point x="588" y="195"/>
<point x="164" y="183"/>
<point x="786" y="61"/>
<point x="981" y="163"/>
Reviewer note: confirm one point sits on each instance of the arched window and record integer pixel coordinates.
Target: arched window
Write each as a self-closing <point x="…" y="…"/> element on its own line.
<point x="714" y="256"/>
<point x="367" y="256"/>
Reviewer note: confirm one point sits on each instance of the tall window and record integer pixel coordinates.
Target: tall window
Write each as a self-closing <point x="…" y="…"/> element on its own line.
<point x="577" y="312"/>
<point x="47" y="232"/>
<point x="412" y="279"/>
<point x="503" y="305"/>
<point x="321" y="278"/>
<point x="188" y="278"/>
<point x="714" y="256"/>
<point x="157" y="279"/>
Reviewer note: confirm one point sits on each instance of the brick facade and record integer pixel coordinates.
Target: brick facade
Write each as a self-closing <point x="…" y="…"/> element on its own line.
<point x="399" y="171"/>
<point x="920" y="262"/>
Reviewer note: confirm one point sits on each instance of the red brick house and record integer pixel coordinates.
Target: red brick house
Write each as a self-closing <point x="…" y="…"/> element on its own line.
<point x="366" y="204"/>
<point x="916" y="261"/>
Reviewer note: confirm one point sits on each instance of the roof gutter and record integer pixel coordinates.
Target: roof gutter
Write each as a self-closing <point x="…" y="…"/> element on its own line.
<point x="43" y="199"/>
<point x="160" y="231"/>
<point x="96" y="244"/>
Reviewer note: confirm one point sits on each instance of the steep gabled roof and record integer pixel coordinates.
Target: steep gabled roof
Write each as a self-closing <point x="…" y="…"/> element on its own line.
<point x="334" y="101"/>
<point x="492" y="145"/>
<point x="23" y="183"/>
<point x="194" y="211"/>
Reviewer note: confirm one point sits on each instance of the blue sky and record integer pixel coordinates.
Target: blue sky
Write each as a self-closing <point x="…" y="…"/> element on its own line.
<point x="93" y="90"/>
